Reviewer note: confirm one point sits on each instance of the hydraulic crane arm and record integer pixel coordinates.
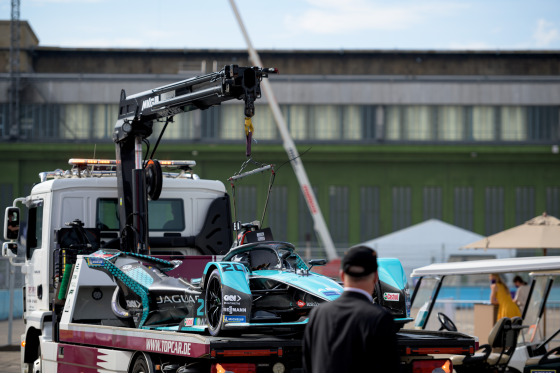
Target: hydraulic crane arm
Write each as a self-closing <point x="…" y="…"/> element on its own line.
<point x="135" y="121"/>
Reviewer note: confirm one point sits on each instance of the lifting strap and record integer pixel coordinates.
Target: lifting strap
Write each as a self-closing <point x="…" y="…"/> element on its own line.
<point x="240" y="174"/>
<point x="248" y="135"/>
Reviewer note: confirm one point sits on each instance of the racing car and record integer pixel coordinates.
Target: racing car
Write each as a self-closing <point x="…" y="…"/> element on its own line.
<point x="260" y="285"/>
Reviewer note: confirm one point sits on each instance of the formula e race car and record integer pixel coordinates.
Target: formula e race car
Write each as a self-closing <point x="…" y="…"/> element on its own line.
<point x="257" y="286"/>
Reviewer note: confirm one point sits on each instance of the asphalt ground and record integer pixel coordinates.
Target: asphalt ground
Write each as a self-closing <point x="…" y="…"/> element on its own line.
<point x="9" y="351"/>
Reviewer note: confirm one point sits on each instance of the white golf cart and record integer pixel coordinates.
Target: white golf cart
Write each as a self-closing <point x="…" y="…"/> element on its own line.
<point x="445" y="296"/>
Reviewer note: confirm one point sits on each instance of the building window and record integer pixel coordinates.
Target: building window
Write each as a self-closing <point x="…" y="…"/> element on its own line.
<point x="232" y="123"/>
<point x="418" y="121"/>
<point x="338" y="214"/>
<point x="393" y="123"/>
<point x="411" y="122"/>
<point x="43" y="121"/>
<point x="264" y="123"/>
<point x="306" y="233"/>
<point x="6" y="197"/>
<point x="277" y="212"/>
<point x="369" y="213"/>
<point x="543" y="122"/>
<point x="553" y="201"/>
<point x="245" y="204"/>
<point x="4" y="119"/>
<point x="524" y="204"/>
<point x="463" y="207"/>
<point x="326" y="121"/>
<point x="298" y="121"/>
<point x="451" y="123"/>
<point x="483" y="123"/>
<point x="210" y="120"/>
<point x="513" y="123"/>
<point x="305" y="122"/>
<point x="355" y="123"/>
<point x="402" y="207"/>
<point x="432" y="202"/>
<point x="494" y="210"/>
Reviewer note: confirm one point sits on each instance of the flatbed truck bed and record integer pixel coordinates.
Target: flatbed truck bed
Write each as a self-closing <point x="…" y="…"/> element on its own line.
<point x="87" y="337"/>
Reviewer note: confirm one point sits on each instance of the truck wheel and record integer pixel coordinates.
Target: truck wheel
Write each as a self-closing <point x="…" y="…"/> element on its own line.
<point x="142" y="364"/>
<point x="214" y="312"/>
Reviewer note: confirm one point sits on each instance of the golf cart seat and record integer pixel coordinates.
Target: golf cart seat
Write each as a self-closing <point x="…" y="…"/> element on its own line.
<point x="549" y="361"/>
<point x="511" y="334"/>
<point x="502" y="338"/>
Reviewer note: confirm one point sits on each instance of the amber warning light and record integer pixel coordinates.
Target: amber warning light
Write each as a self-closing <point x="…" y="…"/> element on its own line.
<point x="163" y="163"/>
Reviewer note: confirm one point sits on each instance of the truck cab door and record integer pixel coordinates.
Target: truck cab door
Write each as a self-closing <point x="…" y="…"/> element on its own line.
<point x="36" y="252"/>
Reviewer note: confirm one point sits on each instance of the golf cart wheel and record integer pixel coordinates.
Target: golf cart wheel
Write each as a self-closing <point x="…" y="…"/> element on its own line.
<point x="214" y="297"/>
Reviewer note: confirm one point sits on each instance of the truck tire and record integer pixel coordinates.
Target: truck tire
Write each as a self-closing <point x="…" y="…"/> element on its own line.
<point x="142" y="364"/>
<point x="213" y="304"/>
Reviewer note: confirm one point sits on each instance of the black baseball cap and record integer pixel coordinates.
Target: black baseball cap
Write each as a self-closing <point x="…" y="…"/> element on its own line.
<point x="359" y="261"/>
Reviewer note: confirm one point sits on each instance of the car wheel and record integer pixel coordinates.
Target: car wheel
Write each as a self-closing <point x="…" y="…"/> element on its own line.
<point x="214" y="311"/>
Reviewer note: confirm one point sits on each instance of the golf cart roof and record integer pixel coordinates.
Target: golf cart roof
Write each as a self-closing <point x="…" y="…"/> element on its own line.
<point x="501" y="265"/>
<point x="541" y="273"/>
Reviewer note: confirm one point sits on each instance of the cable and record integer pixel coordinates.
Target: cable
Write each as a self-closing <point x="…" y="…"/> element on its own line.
<point x="272" y="177"/>
<point x="167" y="120"/>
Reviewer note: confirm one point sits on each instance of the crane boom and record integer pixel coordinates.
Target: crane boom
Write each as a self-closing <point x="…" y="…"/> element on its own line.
<point x="318" y="221"/>
<point x="137" y="114"/>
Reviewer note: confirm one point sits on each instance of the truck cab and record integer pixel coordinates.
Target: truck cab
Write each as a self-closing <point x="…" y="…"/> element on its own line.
<point x="188" y="209"/>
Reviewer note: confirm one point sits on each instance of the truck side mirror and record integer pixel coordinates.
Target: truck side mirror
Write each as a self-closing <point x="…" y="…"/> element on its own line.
<point x="9" y="249"/>
<point x="11" y="223"/>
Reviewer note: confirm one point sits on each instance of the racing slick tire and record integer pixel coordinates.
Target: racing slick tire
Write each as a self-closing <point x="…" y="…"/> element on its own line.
<point x="213" y="304"/>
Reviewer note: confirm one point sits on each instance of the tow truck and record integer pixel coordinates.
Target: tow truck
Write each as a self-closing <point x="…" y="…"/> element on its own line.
<point x="71" y="311"/>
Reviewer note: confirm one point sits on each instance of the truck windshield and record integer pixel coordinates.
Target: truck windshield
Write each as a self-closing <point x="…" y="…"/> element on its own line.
<point x="164" y="215"/>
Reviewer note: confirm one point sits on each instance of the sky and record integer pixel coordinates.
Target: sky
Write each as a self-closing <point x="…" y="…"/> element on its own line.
<point x="295" y="25"/>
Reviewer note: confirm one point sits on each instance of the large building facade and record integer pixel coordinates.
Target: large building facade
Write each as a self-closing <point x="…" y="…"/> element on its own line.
<point x="389" y="138"/>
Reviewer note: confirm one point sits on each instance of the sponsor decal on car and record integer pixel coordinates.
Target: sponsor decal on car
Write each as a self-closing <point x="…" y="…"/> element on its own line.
<point x="309" y="303"/>
<point x="232" y="298"/>
<point x="391" y="296"/>
<point x="231" y="310"/>
<point x="176" y="299"/>
<point x="241" y="319"/>
<point x="233" y="267"/>
<point x="301" y="303"/>
<point x="133" y="304"/>
<point x="94" y="261"/>
<point x="329" y="291"/>
<point x="188" y="322"/>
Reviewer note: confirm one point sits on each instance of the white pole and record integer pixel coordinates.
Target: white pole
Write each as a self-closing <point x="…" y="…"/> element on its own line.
<point x="318" y="221"/>
<point x="11" y="275"/>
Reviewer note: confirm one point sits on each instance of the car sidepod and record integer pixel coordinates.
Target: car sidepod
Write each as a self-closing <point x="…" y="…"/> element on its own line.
<point x="285" y="298"/>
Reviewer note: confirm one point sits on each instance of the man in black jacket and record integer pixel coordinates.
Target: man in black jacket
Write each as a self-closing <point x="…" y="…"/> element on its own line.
<point x="351" y="334"/>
